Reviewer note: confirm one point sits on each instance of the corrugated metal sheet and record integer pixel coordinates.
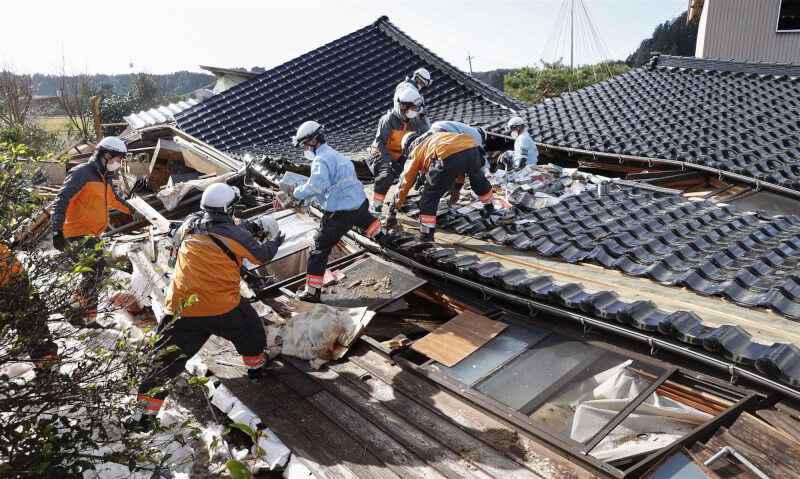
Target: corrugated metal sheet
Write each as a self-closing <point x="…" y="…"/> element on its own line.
<point x="745" y="30"/>
<point x="157" y="116"/>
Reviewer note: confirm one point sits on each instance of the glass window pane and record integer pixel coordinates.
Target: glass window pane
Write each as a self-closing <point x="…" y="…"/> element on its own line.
<point x="499" y="349"/>
<point x="535" y="370"/>
<point x="594" y="395"/>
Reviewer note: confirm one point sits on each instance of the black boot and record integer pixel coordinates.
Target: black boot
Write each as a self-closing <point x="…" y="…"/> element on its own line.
<point x="314" y="297"/>
<point x="255" y="373"/>
<point x="426" y="236"/>
<point x="488" y="209"/>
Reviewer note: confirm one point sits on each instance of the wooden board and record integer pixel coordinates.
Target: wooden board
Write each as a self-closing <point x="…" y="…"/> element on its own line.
<point x="458" y="338"/>
<point x="153" y="216"/>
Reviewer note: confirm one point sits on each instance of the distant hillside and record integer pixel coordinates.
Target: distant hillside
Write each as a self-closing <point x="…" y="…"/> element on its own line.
<point x="180" y="83"/>
<point x="673" y="37"/>
<point x="494" y="77"/>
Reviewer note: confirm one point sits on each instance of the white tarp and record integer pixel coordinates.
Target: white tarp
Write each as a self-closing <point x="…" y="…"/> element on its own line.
<point x="314" y="335"/>
<point x="172" y="195"/>
<point x="657" y="422"/>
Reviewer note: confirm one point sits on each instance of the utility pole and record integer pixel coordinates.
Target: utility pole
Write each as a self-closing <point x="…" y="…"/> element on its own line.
<point x="469" y="59"/>
<point x="571" y="34"/>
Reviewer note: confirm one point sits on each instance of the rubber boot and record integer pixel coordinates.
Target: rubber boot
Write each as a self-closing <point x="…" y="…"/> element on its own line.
<point x="488" y="209"/>
<point x="376" y="208"/>
<point x="310" y="295"/>
<point x="425" y="235"/>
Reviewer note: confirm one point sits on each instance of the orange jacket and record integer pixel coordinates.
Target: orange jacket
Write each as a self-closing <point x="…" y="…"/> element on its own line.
<point x="437" y="146"/>
<point x="204" y="269"/>
<point x="81" y="206"/>
<point x="10" y="267"/>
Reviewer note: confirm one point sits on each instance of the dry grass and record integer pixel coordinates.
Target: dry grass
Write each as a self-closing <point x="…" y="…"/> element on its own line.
<point x="56" y="124"/>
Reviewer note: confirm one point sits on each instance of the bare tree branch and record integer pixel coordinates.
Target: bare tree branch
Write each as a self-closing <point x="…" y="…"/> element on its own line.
<point x="16" y="95"/>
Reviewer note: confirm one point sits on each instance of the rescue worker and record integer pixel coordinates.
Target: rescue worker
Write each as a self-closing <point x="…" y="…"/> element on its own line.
<point x="80" y="213"/>
<point x="419" y="79"/>
<point x="388" y="160"/>
<point x="479" y="134"/>
<point x="525" y="152"/>
<point x="15" y="297"/>
<point x="334" y="184"/>
<point x="208" y="264"/>
<point x="445" y="157"/>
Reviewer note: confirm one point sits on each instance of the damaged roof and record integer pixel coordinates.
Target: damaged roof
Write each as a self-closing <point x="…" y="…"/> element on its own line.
<point x="346" y="85"/>
<point x="160" y="115"/>
<point x="737" y="119"/>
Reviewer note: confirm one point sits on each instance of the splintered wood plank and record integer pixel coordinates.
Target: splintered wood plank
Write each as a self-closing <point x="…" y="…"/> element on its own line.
<point x="472" y="450"/>
<point x="153" y="216"/>
<point x="727" y="467"/>
<point x="316" y="425"/>
<point x="523" y="450"/>
<point x="779" y="420"/>
<point x="458" y="338"/>
<point x="247" y="391"/>
<point x="396" y="457"/>
<point x="419" y="441"/>
<point x="773" y="443"/>
<point x="753" y="453"/>
<point x="309" y="450"/>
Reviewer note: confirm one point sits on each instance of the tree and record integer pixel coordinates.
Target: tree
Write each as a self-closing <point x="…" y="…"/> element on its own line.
<point x="16" y="95"/>
<point x="673" y="37"/>
<point x="76" y="97"/>
<point x="68" y="414"/>
<point x="533" y="85"/>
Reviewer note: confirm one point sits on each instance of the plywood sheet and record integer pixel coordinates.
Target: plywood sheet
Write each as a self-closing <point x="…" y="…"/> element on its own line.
<point x="458" y="338"/>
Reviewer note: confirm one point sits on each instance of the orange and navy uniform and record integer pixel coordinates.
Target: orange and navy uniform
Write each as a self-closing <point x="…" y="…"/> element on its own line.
<point x="204" y="269"/>
<point x="10" y="267"/>
<point x="81" y="206"/>
<point x="436" y="147"/>
<point x="388" y="150"/>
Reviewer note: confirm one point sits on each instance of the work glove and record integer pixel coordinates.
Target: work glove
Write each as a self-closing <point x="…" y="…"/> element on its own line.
<point x="391" y="222"/>
<point x="282" y="201"/>
<point x="507" y="160"/>
<point x="278" y="239"/>
<point x="137" y="216"/>
<point x="59" y="242"/>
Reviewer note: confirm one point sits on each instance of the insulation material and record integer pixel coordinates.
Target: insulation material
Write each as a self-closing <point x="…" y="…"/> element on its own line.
<point x="654" y="424"/>
<point x="172" y="195"/>
<point x="319" y="335"/>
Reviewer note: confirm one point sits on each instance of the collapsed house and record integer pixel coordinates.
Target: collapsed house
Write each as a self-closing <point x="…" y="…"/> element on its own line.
<point x="579" y="333"/>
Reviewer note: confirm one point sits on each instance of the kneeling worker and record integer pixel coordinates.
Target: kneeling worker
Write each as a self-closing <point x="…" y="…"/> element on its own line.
<point x="334" y="184"/>
<point x="445" y="158"/>
<point x="208" y="264"/>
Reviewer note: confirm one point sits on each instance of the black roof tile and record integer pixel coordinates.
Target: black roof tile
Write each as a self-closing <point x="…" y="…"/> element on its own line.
<point x="346" y="85"/>
<point x="738" y="117"/>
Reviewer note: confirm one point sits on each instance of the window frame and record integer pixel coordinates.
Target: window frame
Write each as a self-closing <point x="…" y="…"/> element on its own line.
<point x="778" y="19"/>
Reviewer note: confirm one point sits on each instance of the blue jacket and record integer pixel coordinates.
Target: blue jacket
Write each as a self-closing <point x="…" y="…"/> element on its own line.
<point x="524" y="147"/>
<point x="333" y="182"/>
<point x="456" y="127"/>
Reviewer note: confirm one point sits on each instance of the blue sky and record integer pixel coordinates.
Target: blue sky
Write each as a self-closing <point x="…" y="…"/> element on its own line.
<point x="170" y="35"/>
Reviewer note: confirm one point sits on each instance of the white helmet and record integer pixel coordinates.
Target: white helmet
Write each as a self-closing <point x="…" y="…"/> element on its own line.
<point x="220" y="198"/>
<point x="307" y="132"/>
<point x="112" y="145"/>
<point x="515" y="121"/>
<point x="408" y="138"/>
<point x="423" y="76"/>
<point x="409" y="97"/>
<point x="270" y="225"/>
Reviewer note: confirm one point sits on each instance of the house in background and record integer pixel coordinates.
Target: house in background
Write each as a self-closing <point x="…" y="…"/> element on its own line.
<point x="747" y="30"/>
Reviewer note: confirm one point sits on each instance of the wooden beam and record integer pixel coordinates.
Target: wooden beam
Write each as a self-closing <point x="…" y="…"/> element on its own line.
<point x="98" y="129"/>
<point x="153" y="216"/>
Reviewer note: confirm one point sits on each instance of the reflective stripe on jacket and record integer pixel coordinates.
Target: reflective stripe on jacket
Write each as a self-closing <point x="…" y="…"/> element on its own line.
<point x="204" y="269"/>
<point x="391" y="128"/>
<point x="10" y="267"/>
<point x="437" y="146"/>
<point x="81" y="205"/>
<point x="333" y="182"/>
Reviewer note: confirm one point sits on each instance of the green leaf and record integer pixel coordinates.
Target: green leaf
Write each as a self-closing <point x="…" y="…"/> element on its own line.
<point x="238" y="470"/>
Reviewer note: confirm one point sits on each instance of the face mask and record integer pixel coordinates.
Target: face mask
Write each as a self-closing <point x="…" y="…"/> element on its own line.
<point x="310" y="155"/>
<point x="113" y="166"/>
<point x="514" y="134"/>
<point x="411" y="114"/>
